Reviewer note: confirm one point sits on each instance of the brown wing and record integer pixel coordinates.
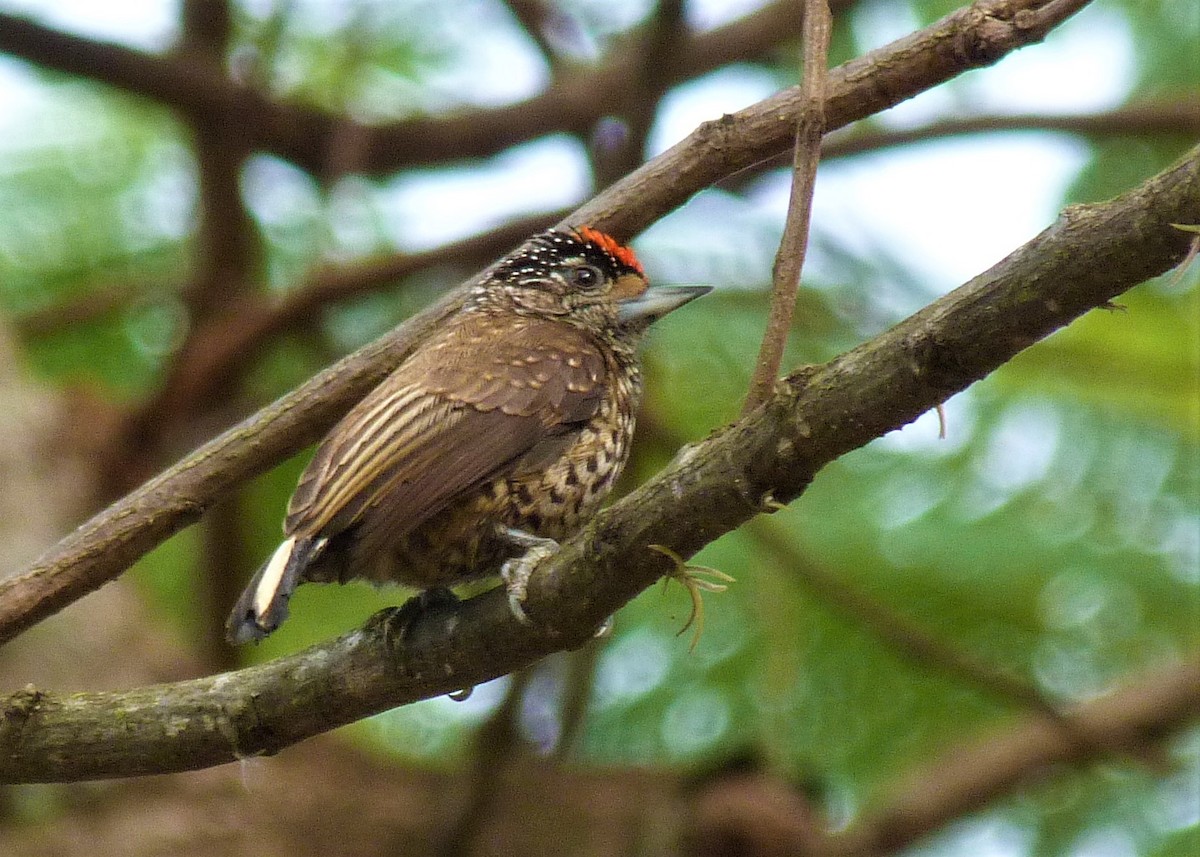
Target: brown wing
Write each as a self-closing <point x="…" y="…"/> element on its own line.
<point x="463" y="409"/>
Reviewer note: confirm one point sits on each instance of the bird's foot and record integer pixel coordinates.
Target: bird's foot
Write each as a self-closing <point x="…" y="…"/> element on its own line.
<point x="516" y="572"/>
<point x="398" y="621"/>
<point x="694" y="578"/>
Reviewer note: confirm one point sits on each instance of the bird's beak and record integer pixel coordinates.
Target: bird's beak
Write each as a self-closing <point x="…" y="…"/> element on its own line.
<point x="653" y="304"/>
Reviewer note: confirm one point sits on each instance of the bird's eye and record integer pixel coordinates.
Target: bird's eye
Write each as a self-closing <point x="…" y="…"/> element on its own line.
<point x="585" y="276"/>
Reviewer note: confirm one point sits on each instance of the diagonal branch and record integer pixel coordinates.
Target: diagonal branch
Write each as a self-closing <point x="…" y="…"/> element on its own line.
<point x="105" y="546"/>
<point x="1090" y="255"/>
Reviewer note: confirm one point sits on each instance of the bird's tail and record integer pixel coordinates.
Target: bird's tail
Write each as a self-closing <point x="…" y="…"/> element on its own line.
<point x="263" y="606"/>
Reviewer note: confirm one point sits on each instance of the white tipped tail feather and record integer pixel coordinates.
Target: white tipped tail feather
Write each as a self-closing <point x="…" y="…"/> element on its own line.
<point x="264" y="603"/>
<point x="268" y="585"/>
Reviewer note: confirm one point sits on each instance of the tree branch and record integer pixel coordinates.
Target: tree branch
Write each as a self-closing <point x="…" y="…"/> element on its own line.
<point x="1178" y="117"/>
<point x="968" y="776"/>
<point x="536" y="18"/>
<point x="107" y="544"/>
<point x="1090" y="255"/>
<point x="619" y="146"/>
<point x="227" y="250"/>
<point x="306" y="135"/>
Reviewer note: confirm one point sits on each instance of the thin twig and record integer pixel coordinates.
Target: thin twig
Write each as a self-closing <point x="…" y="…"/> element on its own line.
<point x="789" y="261"/>
<point x="1178" y="116"/>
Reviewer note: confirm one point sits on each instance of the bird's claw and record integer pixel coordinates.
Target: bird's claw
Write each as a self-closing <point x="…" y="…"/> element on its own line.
<point x="515" y="575"/>
<point x="693" y="579"/>
<point x="516" y="572"/>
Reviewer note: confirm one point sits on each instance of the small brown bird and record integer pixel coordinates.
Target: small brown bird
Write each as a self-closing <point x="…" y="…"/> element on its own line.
<point x="498" y="436"/>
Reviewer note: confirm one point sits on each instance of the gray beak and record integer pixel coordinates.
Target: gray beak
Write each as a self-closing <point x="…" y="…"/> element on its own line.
<point x="654" y="303"/>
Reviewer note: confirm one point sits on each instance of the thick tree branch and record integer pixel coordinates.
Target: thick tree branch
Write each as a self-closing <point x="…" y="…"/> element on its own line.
<point x="104" y="546"/>
<point x="1090" y="255"/>
<point x="306" y="135"/>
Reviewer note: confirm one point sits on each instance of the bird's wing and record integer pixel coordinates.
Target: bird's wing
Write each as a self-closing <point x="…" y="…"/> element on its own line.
<point x="463" y="409"/>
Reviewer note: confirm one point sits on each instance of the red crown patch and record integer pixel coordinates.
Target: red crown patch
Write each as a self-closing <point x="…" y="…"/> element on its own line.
<point x="609" y="245"/>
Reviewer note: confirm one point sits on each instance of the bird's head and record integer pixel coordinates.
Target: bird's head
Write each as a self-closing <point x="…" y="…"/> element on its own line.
<point x="583" y="277"/>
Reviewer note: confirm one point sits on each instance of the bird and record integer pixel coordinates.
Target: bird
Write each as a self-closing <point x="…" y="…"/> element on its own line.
<point x="499" y="436"/>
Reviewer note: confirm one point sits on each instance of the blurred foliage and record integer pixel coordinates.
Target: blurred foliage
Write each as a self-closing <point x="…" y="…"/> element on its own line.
<point x="1055" y="531"/>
